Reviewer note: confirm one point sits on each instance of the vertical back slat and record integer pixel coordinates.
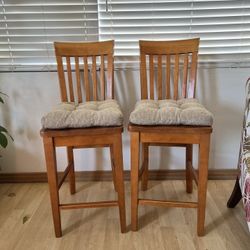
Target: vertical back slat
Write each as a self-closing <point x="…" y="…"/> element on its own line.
<point x="192" y="82"/>
<point x="143" y="75"/>
<point x="168" y="66"/>
<point x="88" y="85"/>
<point x="78" y="81"/>
<point x="185" y="74"/>
<point x="94" y="78"/>
<point x="86" y="78"/>
<point x="110" y="78"/>
<point x="151" y="76"/>
<point x="102" y="78"/>
<point x="61" y="77"/>
<point x="176" y="54"/>
<point x="71" y="90"/>
<point x="159" y="77"/>
<point x="176" y="76"/>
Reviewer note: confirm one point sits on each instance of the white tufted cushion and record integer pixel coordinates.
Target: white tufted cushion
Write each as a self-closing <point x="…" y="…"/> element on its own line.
<point x="171" y="112"/>
<point x="88" y="114"/>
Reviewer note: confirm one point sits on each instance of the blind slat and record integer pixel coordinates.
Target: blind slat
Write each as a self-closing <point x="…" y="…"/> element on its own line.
<point x="222" y="25"/>
<point x="29" y="28"/>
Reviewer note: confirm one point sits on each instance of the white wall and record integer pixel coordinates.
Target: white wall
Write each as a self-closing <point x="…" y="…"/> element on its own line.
<point x="33" y="94"/>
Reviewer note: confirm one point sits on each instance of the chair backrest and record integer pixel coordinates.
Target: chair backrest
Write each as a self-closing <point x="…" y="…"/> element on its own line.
<point x="160" y="57"/>
<point x="80" y="62"/>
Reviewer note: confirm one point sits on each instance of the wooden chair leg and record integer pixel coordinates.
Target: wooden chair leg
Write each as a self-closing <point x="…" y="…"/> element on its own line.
<point x="119" y="180"/>
<point x="50" y="156"/>
<point x="189" y="162"/>
<point x="144" y="180"/>
<point x="72" y="182"/>
<point x="113" y="166"/>
<point x="235" y="196"/>
<point x="202" y="182"/>
<point x="134" y="151"/>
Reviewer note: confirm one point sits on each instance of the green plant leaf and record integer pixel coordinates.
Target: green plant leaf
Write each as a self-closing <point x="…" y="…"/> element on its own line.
<point x="4" y="130"/>
<point x="3" y="140"/>
<point x="3" y="93"/>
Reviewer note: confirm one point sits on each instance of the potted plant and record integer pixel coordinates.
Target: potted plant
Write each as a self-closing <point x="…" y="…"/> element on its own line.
<point x="4" y="134"/>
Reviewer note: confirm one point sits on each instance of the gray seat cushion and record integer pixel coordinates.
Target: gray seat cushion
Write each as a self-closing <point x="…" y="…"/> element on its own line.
<point x="88" y="114"/>
<point x="171" y="112"/>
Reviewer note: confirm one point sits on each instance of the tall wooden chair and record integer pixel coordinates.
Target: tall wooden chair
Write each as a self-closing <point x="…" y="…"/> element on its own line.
<point x="159" y="55"/>
<point x="79" y="58"/>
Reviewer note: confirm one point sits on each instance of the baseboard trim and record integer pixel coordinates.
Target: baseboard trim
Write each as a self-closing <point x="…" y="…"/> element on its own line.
<point x="225" y="174"/>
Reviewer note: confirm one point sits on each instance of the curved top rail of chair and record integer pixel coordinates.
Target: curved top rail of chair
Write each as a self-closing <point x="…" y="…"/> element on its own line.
<point x="84" y="48"/>
<point x="169" y="47"/>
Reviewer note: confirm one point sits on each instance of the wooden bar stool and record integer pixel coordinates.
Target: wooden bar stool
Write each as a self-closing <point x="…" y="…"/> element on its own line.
<point x="162" y="119"/>
<point x="95" y="121"/>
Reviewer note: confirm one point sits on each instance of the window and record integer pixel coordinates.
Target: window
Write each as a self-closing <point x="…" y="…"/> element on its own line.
<point x="28" y="28"/>
<point x="222" y="25"/>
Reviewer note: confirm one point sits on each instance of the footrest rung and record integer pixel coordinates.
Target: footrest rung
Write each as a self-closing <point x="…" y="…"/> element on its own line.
<point x="163" y="203"/>
<point x="89" y="204"/>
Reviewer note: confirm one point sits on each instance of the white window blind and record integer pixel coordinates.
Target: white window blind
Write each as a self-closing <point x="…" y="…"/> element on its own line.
<point x="222" y="25"/>
<point x="28" y="29"/>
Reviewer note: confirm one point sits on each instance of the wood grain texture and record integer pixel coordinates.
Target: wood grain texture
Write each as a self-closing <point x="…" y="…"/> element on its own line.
<point x="172" y="129"/>
<point x="151" y="72"/>
<point x="112" y="160"/>
<point x="170" y="135"/>
<point x="176" y="76"/>
<point x="110" y="77"/>
<point x="144" y="178"/>
<point x="64" y="176"/>
<point x="50" y="157"/>
<point x="169" y="47"/>
<point x="134" y="151"/>
<point x="178" y="87"/>
<point x="193" y="73"/>
<point x="189" y="161"/>
<point x="88" y="205"/>
<point x="159" y="77"/>
<point x="94" y="78"/>
<point x="164" y="203"/>
<point x="102" y="78"/>
<point x="86" y="78"/>
<point x="143" y="76"/>
<point x="84" y="137"/>
<point x="202" y="182"/>
<point x="168" y="68"/>
<point x="90" y="52"/>
<point x="61" y="78"/>
<point x="84" y="141"/>
<point x="185" y="76"/>
<point x="79" y="131"/>
<point x="70" y="158"/>
<point x="118" y="160"/>
<point x="194" y="137"/>
<point x="83" y="48"/>
<point x="25" y="219"/>
<point x="78" y="80"/>
<point x="70" y="81"/>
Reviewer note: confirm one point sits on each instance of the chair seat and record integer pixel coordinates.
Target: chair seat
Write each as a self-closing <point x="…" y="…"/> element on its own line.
<point x="171" y="112"/>
<point x="88" y="114"/>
